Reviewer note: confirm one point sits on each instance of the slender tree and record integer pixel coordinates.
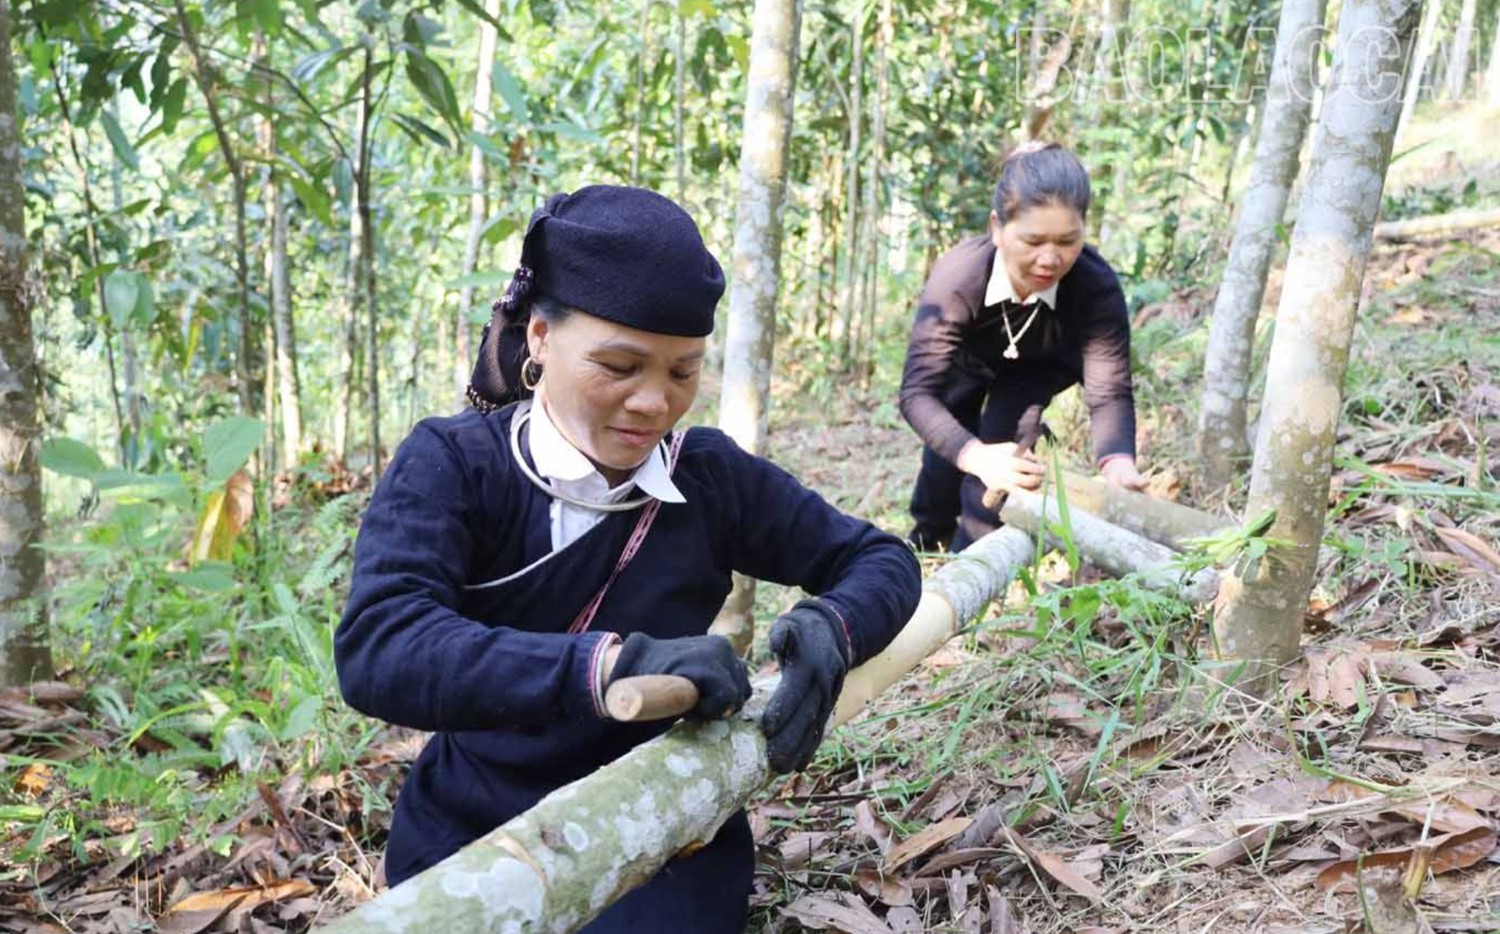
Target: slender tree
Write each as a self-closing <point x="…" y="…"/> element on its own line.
<point x="246" y="362"/>
<point x="1226" y="368"/>
<point x="1492" y="76"/>
<point x="1458" y="62"/>
<point x="1421" y="57"/>
<point x="479" y="201"/>
<point x="1258" y="618"/>
<point x="849" y="293"/>
<point x="744" y="401"/>
<point x="24" y="655"/>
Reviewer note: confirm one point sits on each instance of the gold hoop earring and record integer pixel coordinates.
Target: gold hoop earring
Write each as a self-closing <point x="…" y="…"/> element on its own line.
<point x="530" y="378"/>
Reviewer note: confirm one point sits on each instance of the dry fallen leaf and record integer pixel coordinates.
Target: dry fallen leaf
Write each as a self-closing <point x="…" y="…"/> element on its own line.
<point x="800" y="848"/>
<point x="244" y="896"/>
<point x="924" y="841"/>
<point x="1056" y="867"/>
<point x="871" y="826"/>
<point x="846" y="913"/>
<point x="1475" y="551"/>
<point x="1455" y="851"/>
<point x="886" y="889"/>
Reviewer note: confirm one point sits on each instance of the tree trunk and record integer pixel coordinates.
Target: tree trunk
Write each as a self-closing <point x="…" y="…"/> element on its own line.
<point x="583" y="847"/>
<point x="365" y="272"/>
<point x="1458" y="62"/>
<point x="1439" y="225"/>
<point x="247" y="363"/>
<point x="1259" y="615"/>
<point x="885" y="34"/>
<point x="848" y="311"/>
<point x="1039" y="112"/>
<point x="479" y="201"/>
<point x="679" y="106"/>
<point x="288" y="380"/>
<point x="24" y="654"/>
<point x="1110" y="96"/>
<point x="91" y="243"/>
<point x="641" y="71"/>
<point x="1421" y="57"/>
<point x="1159" y="520"/>
<point x="130" y="367"/>
<point x="1231" y="339"/>
<point x="744" y="399"/>
<point x="348" y="309"/>
<point x="1492" y="77"/>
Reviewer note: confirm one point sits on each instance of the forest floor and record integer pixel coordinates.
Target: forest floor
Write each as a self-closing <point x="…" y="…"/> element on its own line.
<point x="1073" y="762"/>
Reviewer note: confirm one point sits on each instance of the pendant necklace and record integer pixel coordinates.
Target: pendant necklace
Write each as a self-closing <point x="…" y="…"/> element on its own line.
<point x="1011" y="353"/>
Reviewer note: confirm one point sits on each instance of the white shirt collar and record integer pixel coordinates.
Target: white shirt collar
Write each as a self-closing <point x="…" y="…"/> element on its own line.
<point x="1000" y="288"/>
<point x="558" y="460"/>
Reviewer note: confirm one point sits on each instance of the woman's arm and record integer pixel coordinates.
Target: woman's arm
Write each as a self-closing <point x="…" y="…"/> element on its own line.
<point x="404" y="653"/>
<point x="779" y="530"/>
<point x="945" y="313"/>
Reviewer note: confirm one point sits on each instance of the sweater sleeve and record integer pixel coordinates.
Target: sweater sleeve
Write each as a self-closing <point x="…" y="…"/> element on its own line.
<point x="404" y="653"/>
<point x="783" y="532"/>
<point x="1107" y="387"/>
<point x="943" y="318"/>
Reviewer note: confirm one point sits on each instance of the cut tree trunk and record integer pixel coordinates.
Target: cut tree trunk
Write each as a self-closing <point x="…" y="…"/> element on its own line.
<point x="587" y="844"/>
<point x="1258" y="618"/>
<point x="1159" y="520"/>
<point x="479" y="201"/>
<point x="1110" y="547"/>
<point x="24" y="654"/>
<point x="1231" y="339"/>
<point x="1438" y="225"/>
<point x="744" y="400"/>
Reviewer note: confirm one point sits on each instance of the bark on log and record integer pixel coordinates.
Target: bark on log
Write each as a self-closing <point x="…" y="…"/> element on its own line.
<point x="1438" y="225"/>
<point x="584" y="846"/>
<point x="1111" y="547"/>
<point x="1161" y="521"/>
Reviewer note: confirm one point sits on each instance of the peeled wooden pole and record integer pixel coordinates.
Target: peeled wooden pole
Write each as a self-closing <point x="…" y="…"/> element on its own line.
<point x="1439" y="225"/>
<point x="557" y="866"/>
<point x="1115" y="549"/>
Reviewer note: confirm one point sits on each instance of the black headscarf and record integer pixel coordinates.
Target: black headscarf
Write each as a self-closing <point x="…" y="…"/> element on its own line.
<point x="627" y="255"/>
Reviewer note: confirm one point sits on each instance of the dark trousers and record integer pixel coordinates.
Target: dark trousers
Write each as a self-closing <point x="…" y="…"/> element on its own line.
<point x="946" y="504"/>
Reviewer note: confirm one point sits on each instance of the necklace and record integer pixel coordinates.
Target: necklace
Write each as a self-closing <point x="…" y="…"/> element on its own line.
<point x="1011" y="353"/>
<point x="523" y="416"/>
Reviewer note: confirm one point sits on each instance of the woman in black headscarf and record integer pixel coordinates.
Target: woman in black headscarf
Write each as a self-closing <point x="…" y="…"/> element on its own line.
<point x="518" y="557"/>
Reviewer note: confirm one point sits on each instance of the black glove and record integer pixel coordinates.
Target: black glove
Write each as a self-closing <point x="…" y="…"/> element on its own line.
<point x="707" y="661"/>
<point x="810" y="643"/>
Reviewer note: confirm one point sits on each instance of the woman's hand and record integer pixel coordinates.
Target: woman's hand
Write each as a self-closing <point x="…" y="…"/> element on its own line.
<point x="1121" y="473"/>
<point x="814" y="654"/>
<point x="1001" y="466"/>
<point x="708" y="661"/>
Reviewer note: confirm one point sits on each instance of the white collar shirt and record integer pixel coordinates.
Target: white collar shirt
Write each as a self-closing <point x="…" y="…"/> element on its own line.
<point x="571" y="473"/>
<point x="1000" y="288"/>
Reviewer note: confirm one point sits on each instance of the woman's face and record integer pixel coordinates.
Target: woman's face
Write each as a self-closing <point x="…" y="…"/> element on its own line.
<point x="1040" y="244"/>
<point x="613" y="391"/>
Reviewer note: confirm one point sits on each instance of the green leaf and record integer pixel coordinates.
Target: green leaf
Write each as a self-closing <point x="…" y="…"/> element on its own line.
<point x="479" y="279"/>
<point x="122" y="292"/>
<point x="228" y="444"/>
<point x="209" y="577"/>
<point x="303" y="718"/>
<point x="432" y="83"/>
<point x="313" y="197"/>
<point x="695" y="8"/>
<point x="172" y="103"/>
<point x="509" y="89"/>
<point x="421" y="132"/>
<point x="117" y="141"/>
<point x="70" y="458"/>
<point x="145" y="302"/>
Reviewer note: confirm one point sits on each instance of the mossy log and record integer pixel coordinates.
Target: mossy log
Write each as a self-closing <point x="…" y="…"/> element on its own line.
<point x="584" y="846"/>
